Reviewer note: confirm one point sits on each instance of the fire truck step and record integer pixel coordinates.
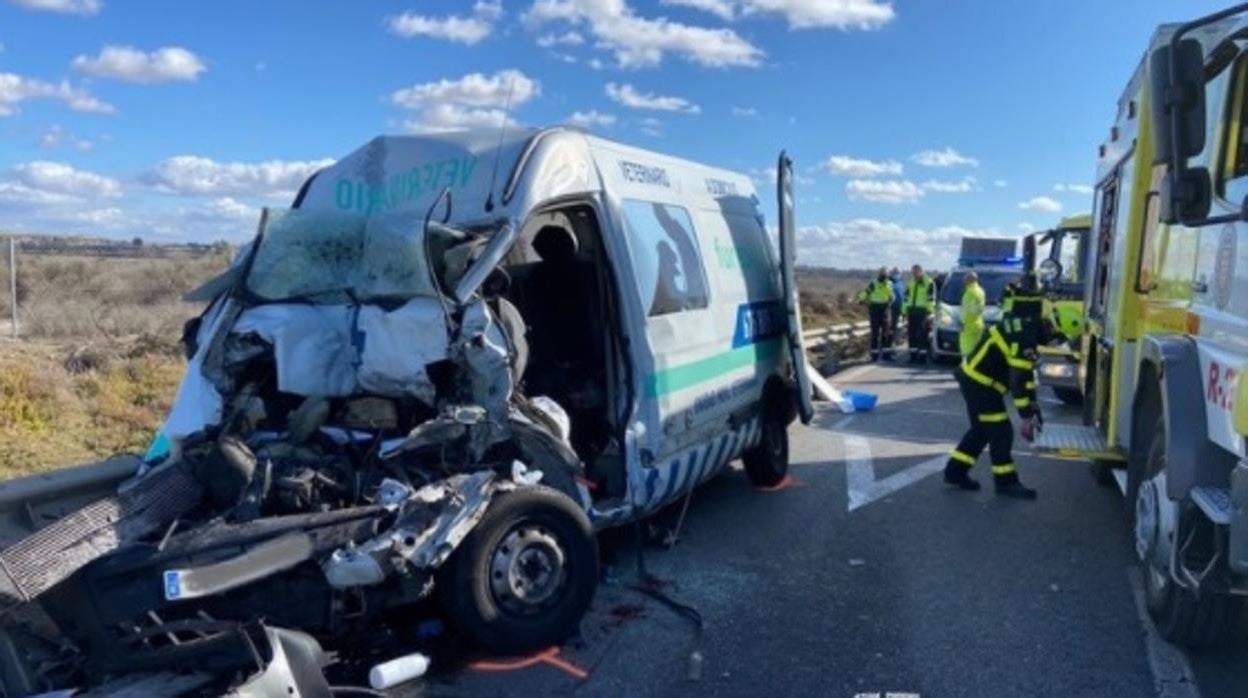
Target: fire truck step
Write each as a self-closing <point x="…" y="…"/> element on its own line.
<point x="1074" y="441"/>
<point x="1215" y="502"/>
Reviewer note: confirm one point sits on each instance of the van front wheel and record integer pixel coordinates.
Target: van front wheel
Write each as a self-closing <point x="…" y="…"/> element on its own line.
<point x="767" y="463"/>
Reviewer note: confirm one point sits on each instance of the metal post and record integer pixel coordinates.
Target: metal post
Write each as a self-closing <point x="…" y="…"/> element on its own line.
<point x="13" y="281"/>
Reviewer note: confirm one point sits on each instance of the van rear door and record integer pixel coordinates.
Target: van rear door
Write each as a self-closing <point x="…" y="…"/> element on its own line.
<point x="788" y="277"/>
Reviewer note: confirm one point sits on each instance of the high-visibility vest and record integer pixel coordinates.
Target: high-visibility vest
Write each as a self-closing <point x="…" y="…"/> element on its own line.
<point x="973" y="301"/>
<point x="877" y="292"/>
<point x="920" y="294"/>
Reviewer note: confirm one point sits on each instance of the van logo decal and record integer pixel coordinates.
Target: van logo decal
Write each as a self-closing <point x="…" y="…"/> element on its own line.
<point x="404" y="187"/>
<point x="645" y="174"/>
<point x="718" y="187"/>
<point x="758" y="321"/>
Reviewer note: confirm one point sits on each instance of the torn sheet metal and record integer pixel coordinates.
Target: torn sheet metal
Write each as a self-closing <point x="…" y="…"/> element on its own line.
<point x="340" y="350"/>
<point x="484" y="348"/>
<point x="431" y="523"/>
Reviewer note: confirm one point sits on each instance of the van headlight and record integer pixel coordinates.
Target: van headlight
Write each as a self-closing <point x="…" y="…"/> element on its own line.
<point x="946" y="320"/>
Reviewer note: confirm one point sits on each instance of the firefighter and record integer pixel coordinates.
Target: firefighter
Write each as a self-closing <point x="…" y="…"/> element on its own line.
<point x="973" y="301"/>
<point x="920" y="300"/>
<point x="878" y="295"/>
<point x="1002" y="361"/>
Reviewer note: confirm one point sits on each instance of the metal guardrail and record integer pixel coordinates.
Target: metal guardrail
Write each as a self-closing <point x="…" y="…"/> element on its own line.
<point x="837" y="333"/>
<point x="832" y="335"/>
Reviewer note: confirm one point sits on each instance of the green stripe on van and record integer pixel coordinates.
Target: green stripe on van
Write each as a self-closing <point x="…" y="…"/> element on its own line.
<point x="688" y="375"/>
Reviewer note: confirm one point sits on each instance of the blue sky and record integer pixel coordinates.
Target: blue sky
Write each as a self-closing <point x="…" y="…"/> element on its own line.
<point x="911" y="121"/>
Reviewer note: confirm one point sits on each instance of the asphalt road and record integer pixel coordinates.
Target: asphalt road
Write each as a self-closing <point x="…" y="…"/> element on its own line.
<point x="865" y="576"/>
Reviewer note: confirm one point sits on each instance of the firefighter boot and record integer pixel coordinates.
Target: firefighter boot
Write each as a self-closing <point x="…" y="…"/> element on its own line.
<point x="1008" y="485"/>
<point x="958" y="475"/>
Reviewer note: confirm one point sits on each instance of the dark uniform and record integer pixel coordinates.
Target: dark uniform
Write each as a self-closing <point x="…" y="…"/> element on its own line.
<point x="878" y="295"/>
<point x="1001" y="362"/>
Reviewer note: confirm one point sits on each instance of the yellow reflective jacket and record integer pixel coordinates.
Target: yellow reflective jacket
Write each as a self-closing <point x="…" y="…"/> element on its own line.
<point x="920" y="294"/>
<point x="973" y="302"/>
<point x="877" y="292"/>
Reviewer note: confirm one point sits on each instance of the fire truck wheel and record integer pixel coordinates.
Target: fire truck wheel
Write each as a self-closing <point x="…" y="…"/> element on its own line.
<point x="1182" y="617"/>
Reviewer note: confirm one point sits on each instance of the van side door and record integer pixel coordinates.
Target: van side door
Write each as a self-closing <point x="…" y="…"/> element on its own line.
<point x="788" y="279"/>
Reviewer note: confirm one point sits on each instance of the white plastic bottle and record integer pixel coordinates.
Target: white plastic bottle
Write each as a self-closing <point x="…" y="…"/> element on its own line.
<point x="398" y="670"/>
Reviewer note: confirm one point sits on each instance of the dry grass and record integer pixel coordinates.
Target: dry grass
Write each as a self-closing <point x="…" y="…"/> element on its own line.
<point x="827" y="296"/>
<point x="110" y="403"/>
<point x="65" y="297"/>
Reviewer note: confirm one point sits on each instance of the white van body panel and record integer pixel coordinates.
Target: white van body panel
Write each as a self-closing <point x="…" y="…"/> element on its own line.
<point x="696" y="371"/>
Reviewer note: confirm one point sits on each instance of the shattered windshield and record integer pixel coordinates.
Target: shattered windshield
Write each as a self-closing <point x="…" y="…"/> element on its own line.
<point x="333" y="257"/>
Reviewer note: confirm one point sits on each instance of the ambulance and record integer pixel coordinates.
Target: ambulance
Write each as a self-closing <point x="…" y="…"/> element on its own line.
<point x="1165" y="344"/>
<point x="1056" y="256"/>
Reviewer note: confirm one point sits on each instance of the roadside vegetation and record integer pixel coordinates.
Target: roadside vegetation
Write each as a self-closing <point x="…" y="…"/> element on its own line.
<point x="98" y="360"/>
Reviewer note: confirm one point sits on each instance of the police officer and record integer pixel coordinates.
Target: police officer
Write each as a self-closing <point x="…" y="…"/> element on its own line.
<point x="973" y="301"/>
<point x="878" y="295"/>
<point x="920" y="300"/>
<point x="1002" y="360"/>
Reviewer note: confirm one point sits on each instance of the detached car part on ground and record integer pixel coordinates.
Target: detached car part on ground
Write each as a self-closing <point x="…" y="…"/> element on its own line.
<point x="349" y="439"/>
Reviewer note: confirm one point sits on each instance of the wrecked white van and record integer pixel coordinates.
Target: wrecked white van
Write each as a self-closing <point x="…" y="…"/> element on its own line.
<point x="447" y="364"/>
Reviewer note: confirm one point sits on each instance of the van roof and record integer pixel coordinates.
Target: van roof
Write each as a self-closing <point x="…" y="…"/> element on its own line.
<point x="493" y="175"/>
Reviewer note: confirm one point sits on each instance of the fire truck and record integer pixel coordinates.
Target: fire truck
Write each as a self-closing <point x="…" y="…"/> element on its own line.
<point x="1165" y="339"/>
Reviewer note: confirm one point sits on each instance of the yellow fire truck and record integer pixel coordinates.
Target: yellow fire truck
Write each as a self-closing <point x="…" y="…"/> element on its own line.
<point x="1056" y="256"/>
<point x="1165" y="343"/>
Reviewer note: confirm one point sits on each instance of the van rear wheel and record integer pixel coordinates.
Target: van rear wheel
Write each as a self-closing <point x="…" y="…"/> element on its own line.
<point x="768" y="463"/>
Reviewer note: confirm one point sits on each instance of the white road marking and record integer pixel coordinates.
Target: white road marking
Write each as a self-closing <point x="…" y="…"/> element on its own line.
<point x="878" y="489"/>
<point x="1172" y="675"/>
<point x="859" y="469"/>
<point x="860" y="483"/>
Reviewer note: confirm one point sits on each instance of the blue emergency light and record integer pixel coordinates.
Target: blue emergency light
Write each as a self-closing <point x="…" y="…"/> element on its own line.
<point x="983" y="261"/>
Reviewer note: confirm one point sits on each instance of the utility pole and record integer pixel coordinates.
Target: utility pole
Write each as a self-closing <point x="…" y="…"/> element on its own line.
<point x="13" y="281"/>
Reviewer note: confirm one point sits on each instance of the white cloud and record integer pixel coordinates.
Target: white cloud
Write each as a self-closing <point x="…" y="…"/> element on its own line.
<point x="802" y="14"/>
<point x="892" y="191"/>
<point x="65" y="7"/>
<point x="128" y="64"/>
<point x="1025" y="227"/>
<point x="767" y="176"/>
<point x="22" y="195"/>
<point x="869" y="243"/>
<point x="628" y="96"/>
<point x="460" y="29"/>
<point x="472" y="90"/>
<point x="724" y="9"/>
<point x="473" y="101"/>
<point x="846" y="166"/>
<point x="744" y="111"/>
<point x="1000" y="183"/>
<point x="224" y="209"/>
<point x="51" y="136"/>
<point x="1041" y="204"/>
<point x="962" y="186"/>
<point x="591" y="119"/>
<point x="15" y="89"/>
<point x="642" y="42"/>
<point x="1083" y="189"/>
<point x="440" y="118"/>
<point x="192" y="175"/>
<point x="946" y="157"/>
<point x="59" y="178"/>
<point x="568" y="38"/>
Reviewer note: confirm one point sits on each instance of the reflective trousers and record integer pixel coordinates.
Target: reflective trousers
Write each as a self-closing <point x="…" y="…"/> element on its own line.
<point x="990" y="426"/>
